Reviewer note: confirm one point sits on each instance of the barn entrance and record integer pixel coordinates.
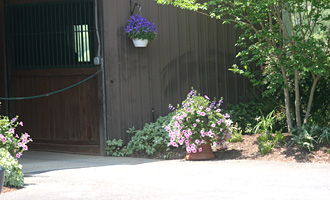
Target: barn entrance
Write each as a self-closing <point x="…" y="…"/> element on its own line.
<point x="50" y="46"/>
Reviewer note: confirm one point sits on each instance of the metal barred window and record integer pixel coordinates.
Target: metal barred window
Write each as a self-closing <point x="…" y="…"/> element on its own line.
<point x="51" y="35"/>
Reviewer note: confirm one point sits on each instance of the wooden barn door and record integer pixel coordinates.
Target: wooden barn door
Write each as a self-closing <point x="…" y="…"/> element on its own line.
<point x="50" y="46"/>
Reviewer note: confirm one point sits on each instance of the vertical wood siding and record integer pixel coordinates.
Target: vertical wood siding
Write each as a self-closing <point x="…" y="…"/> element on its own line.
<point x="191" y="50"/>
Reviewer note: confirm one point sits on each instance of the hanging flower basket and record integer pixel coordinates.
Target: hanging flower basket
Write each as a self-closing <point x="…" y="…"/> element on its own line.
<point x="140" y="43"/>
<point x="139" y="28"/>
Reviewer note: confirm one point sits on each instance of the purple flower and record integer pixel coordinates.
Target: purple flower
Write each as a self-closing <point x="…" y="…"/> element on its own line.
<point x="140" y="28"/>
<point x="206" y="97"/>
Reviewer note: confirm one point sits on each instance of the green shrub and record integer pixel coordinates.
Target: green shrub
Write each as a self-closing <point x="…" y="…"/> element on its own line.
<point x="304" y="138"/>
<point x="328" y="151"/>
<point x="310" y="136"/>
<point x="151" y="138"/>
<point x="265" y="124"/>
<point x="236" y="135"/>
<point x="265" y="147"/>
<point x="115" y="148"/>
<point x="13" y="170"/>
<point x="279" y="137"/>
<point x="244" y="114"/>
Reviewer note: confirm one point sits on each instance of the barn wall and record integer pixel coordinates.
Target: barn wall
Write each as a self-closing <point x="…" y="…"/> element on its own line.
<point x="191" y="50"/>
<point x="3" y="71"/>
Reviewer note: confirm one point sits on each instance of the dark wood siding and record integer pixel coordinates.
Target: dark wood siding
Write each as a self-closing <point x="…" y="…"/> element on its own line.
<point x="3" y="69"/>
<point x="191" y="50"/>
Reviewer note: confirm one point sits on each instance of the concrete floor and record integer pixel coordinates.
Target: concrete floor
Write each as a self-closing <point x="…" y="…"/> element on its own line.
<point x="69" y="176"/>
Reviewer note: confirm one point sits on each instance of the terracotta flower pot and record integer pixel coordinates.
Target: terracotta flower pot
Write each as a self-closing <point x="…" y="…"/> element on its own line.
<point x="206" y="154"/>
<point x="2" y="178"/>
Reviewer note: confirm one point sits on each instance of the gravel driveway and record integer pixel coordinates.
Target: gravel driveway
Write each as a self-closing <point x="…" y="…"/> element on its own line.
<point x="68" y="176"/>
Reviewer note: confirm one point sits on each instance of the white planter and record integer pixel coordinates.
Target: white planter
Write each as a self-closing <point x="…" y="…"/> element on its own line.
<point x="140" y="43"/>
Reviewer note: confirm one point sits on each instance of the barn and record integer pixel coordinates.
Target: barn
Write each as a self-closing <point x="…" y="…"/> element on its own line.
<point x="72" y="76"/>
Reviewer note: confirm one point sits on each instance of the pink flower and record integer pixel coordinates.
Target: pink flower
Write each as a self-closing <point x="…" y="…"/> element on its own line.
<point x="25" y="147"/>
<point x="227" y="115"/>
<point x="194" y="125"/>
<point x="213" y="125"/>
<point x="194" y="150"/>
<point x="188" y="149"/>
<point x="201" y="107"/>
<point x="197" y="120"/>
<point x="188" y="109"/>
<point x="12" y="130"/>
<point x="219" y="122"/>
<point x="208" y="109"/>
<point x="197" y="141"/>
<point x="200" y="149"/>
<point x="203" y="113"/>
<point x="198" y="112"/>
<point x="18" y="155"/>
<point x="21" y="123"/>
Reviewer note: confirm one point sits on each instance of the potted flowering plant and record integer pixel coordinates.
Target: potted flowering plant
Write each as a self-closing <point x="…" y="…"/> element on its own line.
<point x="199" y="125"/>
<point x="140" y="30"/>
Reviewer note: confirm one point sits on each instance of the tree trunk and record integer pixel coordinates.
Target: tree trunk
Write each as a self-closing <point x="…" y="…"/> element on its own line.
<point x="287" y="99"/>
<point x="287" y="109"/>
<point x="297" y="98"/>
<point x="310" y="100"/>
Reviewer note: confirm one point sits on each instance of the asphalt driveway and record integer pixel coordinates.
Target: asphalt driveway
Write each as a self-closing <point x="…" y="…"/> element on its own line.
<point x="50" y="176"/>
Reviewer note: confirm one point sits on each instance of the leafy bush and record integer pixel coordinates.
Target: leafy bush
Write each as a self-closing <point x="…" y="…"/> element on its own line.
<point x="152" y="138"/>
<point x="279" y="137"/>
<point x="244" y="114"/>
<point x="303" y="138"/>
<point x="265" y="124"/>
<point x="265" y="147"/>
<point x="328" y="151"/>
<point x="13" y="170"/>
<point x="236" y="135"/>
<point x="115" y="148"/>
<point x="310" y="136"/>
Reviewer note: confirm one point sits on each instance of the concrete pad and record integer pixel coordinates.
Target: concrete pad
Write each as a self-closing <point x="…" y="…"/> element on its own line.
<point x="69" y="176"/>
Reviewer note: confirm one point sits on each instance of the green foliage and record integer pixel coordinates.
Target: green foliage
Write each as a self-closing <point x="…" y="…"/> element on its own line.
<point x="265" y="124"/>
<point x="310" y="136"/>
<point x="244" y="114"/>
<point x="279" y="137"/>
<point x="265" y="147"/>
<point x="152" y="138"/>
<point x="328" y="151"/>
<point x="13" y="170"/>
<point x="115" y="148"/>
<point x="236" y="135"/>
<point x="288" y="40"/>
<point x="304" y="138"/>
